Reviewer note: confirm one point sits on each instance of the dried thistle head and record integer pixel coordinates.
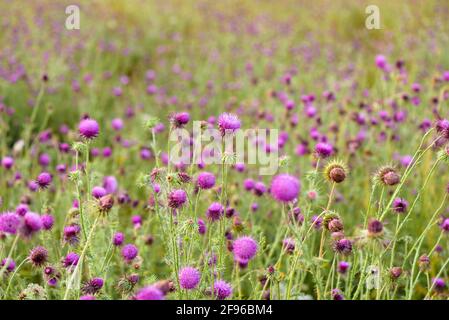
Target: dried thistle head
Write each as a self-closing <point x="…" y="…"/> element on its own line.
<point x="332" y="221"/>
<point x="126" y="284"/>
<point x="158" y="174"/>
<point x="387" y="176"/>
<point x="184" y="177"/>
<point x="33" y="292"/>
<point x="395" y="273"/>
<point x="375" y="228"/>
<point x="105" y="203"/>
<point x="336" y="171"/>
<point x="165" y="286"/>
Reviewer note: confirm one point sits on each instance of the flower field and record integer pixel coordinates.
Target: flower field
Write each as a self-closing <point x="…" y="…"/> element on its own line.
<point x="247" y="150"/>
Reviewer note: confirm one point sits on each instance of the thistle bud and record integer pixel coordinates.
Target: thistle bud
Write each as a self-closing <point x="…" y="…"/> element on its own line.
<point x="375" y="228"/>
<point x="424" y="262"/>
<point x="387" y="176"/>
<point x="33" y="292"/>
<point x="395" y="273"/>
<point x="289" y="245"/>
<point x="335" y="171"/>
<point x="165" y="286"/>
<point x="150" y="122"/>
<point x="105" y="203"/>
<point x="126" y="284"/>
<point x="332" y="222"/>
<point x="184" y="177"/>
<point x="342" y="246"/>
<point x="337" y="235"/>
<point x="335" y="225"/>
<point x="237" y="223"/>
<point x="391" y="178"/>
<point x="271" y="270"/>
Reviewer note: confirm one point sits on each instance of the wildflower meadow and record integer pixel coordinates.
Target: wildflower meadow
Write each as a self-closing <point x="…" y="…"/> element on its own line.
<point x="224" y="150"/>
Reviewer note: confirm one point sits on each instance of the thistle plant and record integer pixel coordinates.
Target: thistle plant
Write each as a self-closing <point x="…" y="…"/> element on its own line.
<point x="99" y="201"/>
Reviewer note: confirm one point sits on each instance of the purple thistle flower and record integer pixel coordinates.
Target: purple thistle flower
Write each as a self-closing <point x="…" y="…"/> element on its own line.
<point x="89" y="129"/>
<point x="129" y="252"/>
<point x="337" y="294"/>
<point x="145" y="153"/>
<point x="61" y="168"/>
<point x="324" y="150"/>
<point x="117" y="124"/>
<point x="38" y="256"/>
<point x="22" y="209"/>
<point x="52" y="276"/>
<point x="289" y="245"/>
<point x="259" y="188"/>
<point x="44" y="160"/>
<point x="215" y="211"/>
<point x="71" y="234"/>
<point x="88" y="297"/>
<point x="343" y="267"/>
<point x="400" y="205"/>
<point x="92" y="286"/>
<point x="110" y="184"/>
<point x="10" y="264"/>
<point x="342" y="246"/>
<point x="189" y="278"/>
<point x="248" y="184"/>
<point x="442" y="127"/>
<point x="180" y="119"/>
<point x="47" y="221"/>
<point x="416" y="87"/>
<point x="317" y="222"/>
<point x="9" y="222"/>
<point x="149" y="293"/>
<point x="33" y="186"/>
<point x="44" y="180"/>
<point x="177" y="198"/>
<point x="222" y="289"/>
<point x="244" y="249"/>
<point x="254" y="206"/>
<point x="240" y="167"/>
<point x="381" y="62"/>
<point x="296" y="216"/>
<point x="205" y="180"/>
<point x="445" y="225"/>
<point x="98" y="192"/>
<point x="375" y="227"/>
<point x="7" y="162"/>
<point x="201" y="227"/>
<point x="438" y="284"/>
<point x="136" y="221"/>
<point x="117" y="91"/>
<point x="118" y="239"/>
<point x="32" y="223"/>
<point x="285" y="188"/>
<point x="70" y="260"/>
<point x="406" y="160"/>
<point x="228" y="123"/>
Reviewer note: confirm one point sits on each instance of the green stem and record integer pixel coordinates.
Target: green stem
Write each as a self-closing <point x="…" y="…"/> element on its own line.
<point x="80" y="261"/>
